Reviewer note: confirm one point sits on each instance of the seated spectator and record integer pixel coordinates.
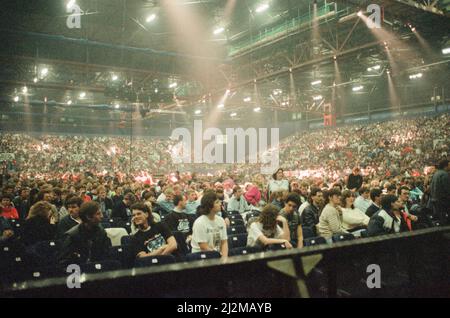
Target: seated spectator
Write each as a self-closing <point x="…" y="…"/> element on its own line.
<point x="209" y="232"/>
<point x="353" y="219"/>
<point x="166" y="204"/>
<point x="289" y="212"/>
<point x="388" y="220"/>
<point x="71" y="220"/>
<point x="152" y="238"/>
<point x="363" y="201"/>
<point x="406" y="207"/>
<point x="277" y="199"/>
<point x="265" y="231"/>
<point x="237" y="202"/>
<point x="355" y="180"/>
<point x="21" y="203"/>
<point x="278" y="182"/>
<point x="88" y="241"/>
<point x="122" y="209"/>
<point x="330" y="220"/>
<point x="6" y="231"/>
<point x="304" y="192"/>
<point x="7" y="210"/>
<point x="178" y="220"/>
<point x="118" y="195"/>
<point x="40" y="224"/>
<point x="223" y="206"/>
<point x="192" y="203"/>
<point x="375" y="196"/>
<point x="106" y="204"/>
<point x="310" y="216"/>
<point x="252" y="195"/>
<point x="47" y="195"/>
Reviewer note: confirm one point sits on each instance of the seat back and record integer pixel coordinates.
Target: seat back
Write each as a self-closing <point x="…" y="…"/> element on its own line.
<point x="244" y="250"/>
<point x="101" y="266"/>
<point x="125" y="240"/>
<point x="317" y="240"/>
<point x="308" y="232"/>
<point x="202" y="255"/>
<point x="182" y="247"/>
<point x="44" y="253"/>
<point x="154" y="260"/>
<point x="342" y="237"/>
<point x="237" y="240"/>
<point x="236" y="222"/>
<point x="237" y="229"/>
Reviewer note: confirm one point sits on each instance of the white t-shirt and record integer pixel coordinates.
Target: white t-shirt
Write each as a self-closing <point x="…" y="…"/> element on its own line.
<point x="256" y="230"/>
<point x="207" y="231"/>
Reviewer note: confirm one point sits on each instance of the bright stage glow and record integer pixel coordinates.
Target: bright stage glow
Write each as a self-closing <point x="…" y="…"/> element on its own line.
<point x="233" y="114"/>
<point x="150" y="18"/>
<point x="316" y="82"/>
<point x="262" y="8"/>
<point x="257" y="109"/>
<point x="357" y="88"/>
<point x="219" y="30"/>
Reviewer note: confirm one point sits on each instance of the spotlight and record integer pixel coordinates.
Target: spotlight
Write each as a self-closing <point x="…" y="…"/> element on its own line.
<point x="150" y="18"/>
<point x="360" y="13"/>
<point x="198" y="112"/>
<point x="173" y="85"/>
<point x="220" y="106"/>
<point x="233" y="115"/>
<point x="446" y="50"/>
<point x="69" y="102"/>
<point x="227" y="92"/>
<point x="117" y="106"/>
<point x="388" y="72"/>
<point x="82" y="95"/>
<point x="24" y="89"/>
<point x="357" y="88"/>
<point x="257" y="109"/>
<point x="319" y="97"/>
<point x="16" y="98"/>
<point x="290" y="71"/>
<point x="415" y="76"/>
<point x="44" y="72"/>
<point x="35" y="80"/>
<point x="376" y="67"/>
<point x="334" y="57"/>
<point x="218" y="30"/>
<point x="156" y="91"/>
<point x="114" y="77"/>
<point x="247" y="99"/>
<point x="316" y="82"/>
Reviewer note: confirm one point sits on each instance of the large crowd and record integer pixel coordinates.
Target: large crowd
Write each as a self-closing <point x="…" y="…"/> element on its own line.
<point x="352" y="181"/>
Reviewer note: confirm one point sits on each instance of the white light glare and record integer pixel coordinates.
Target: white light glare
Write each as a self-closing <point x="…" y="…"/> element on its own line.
<point x="198" y="112"/>
<point x="262" y="8"/>
<point x="44" y="71"/>
<point x="233" y="115"/>
<point x="316" y="82"/>
<point x="220" y="106"/>
<point x="114" y="77"/>
<point x="173" y="85"/>
<point x="219" y="30"/>
<point x="415" y="76"/>
<point x="319" y="97"/>
<point x="446" y="50"/>
<point x="247" y="99"/>
<point x="82" y="95"/>
<point x="357" y="88"/>
<point x="150" y="18"/>
<point x="25" y="90"/>
<point x="35" y="80"/>
<point x="257" y="109"/>
<point x="70" y="4"/>
<point x="69" y="102"/>
<point x="376" y="67"/>
<point x="116" y="106"/>
<point x="16" y="98"/>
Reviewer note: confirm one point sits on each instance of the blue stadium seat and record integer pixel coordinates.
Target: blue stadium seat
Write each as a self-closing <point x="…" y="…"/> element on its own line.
<point x="106" y="225"/>
<point x="342" y="237"/>
<point x="237" y="240"/>
<point x="125" y="240"/>
<point x="154" y="260"/>
<point x="317" y="240"/>
<point x="237" y="222"/>
<point x="236" y="217"/>
<point x="202" y="255"/>
<point x="252" y="214"/>
<point x="364" y="233"/>
<point x="123" y="255"/>
<point x="44" y="253"/>
<point x="233" y="213"/>
<point x="237" y="229"/>
<point x="276" y="247"/>
<point x="98" y="267"/>
<point x="244" y="250"/>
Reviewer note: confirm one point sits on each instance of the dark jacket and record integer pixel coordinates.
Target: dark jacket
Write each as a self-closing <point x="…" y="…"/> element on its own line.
<point x="120" y="211"/>
<point x="37" y="229"/>
<point x="65" y="225"/>
<point x="354" y="181"/>
<point x="22" y="207"/>
<point x="179" y="222"/>
<point x="81" y="245"/>
<point x="440" y="186"/>
<point x="310" y="216"/>
<point x="109" y="204"/>
<point x="383" y="222"/>
<point x="4" y="225"/>
<point x="371" y="210"/>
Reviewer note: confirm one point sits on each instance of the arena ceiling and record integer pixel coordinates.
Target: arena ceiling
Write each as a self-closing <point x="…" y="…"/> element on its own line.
<point x="138" y="54"/>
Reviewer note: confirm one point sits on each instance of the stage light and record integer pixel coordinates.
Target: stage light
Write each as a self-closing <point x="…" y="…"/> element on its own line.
<point x="198" y="112"/>
<point x="227" y="92"/>
<point x="218" y="30"/>
<point x="316" y="82"/>
<point x="117" y="106"/>
<point x="359" y="14"/>
<point x="150" y="18"/>
<point x="16" y="98"/>
<point x="247" y="99"/>
<point x="376" y="67"/>
<point x="35" y="80"/>
<point x="318" y="97"/>
<point x="446" y="50"/>
<point x="262" y="8"/>
<point x="334" y="57"/>
<point x="44" y="72"/>
<point x="220" y="106"/>
<point x="415" y="76"/>
<point x="115" y="77"/>
<point x="233" y="114"/>
<point x="69" y="102"/>
<point x="257" y="109"/>
<point x="24" y="89"/>
<point x="277" y="92"/>
<point x="156" y="91"/>
<point x="388" y="72"/>
<point x="82" y="95"/>
<point x="173" y="85"/>
<point x="357" y="88"/>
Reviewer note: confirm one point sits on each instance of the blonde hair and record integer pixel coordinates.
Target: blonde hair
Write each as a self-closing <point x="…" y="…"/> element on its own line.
<point x="41" y="209"/>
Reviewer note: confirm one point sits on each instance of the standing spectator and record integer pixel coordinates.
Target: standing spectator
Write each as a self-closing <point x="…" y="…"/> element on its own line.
<point x="388" y="220"/>
<point x="310" y="216"/>
<point x="71" y="220"/>
<point x="88" y="241"/>
<point x="152" y="238"/>
<point x="440" y="192"/>
<point x="40" y="224"/>
<point x="209" y="232"/>
<point x="363" y="201"/>
<point x="289" y="212"/>
<point x="178" y="220"/>
<point x="330" y="221"/>
<point x="8" y="211"/>
<point x="265" y="231"/>
<point x="355" y="180"/>
<point x="375" y="196"/>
